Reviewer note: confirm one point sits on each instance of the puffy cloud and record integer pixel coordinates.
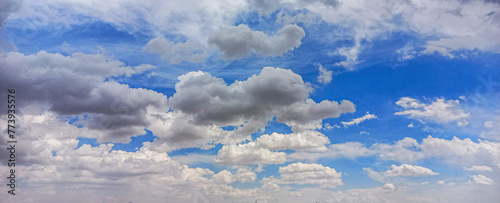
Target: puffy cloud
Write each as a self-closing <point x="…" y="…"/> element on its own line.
<point x="111" y="107"/>
<point x="245" y="175"/>
<point x="239" y="41"/>
<point x="223" y="177"/>
<point x="461" y="152"/>
<point x="249" y="105"/>
<point x="325" y="76"/>
<point x="409" y="170"/>
<point x="482" y="180"/>
<point x="249" y="153"/>
<point x="53" y="168"/>
<point x="388" y="186"/>
<point x="301" y="173"/>
<point x="455" y="151"/>
<point x="194" y="158"/>
<point x="348" y="149"/>
<point x="176" y="52"/>
<point x="308" y="114"/>
<point x="270" y="183"/>
<point x="356" y="121"/>
<point x="478" y="168"/>
<point x="307" y="140"/>
<point x="441" y="110"/>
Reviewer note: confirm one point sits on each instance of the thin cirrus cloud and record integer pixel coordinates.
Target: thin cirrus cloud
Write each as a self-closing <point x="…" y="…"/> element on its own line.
<point x="357" y="121"/>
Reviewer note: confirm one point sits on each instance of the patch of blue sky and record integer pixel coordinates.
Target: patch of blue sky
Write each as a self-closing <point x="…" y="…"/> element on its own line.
<point x="353" y="175"/>
<point x="187" y="151"/>
<point x="133" y="146"/>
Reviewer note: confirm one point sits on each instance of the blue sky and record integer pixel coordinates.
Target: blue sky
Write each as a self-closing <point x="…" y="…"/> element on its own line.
<point x="274" y="101"/>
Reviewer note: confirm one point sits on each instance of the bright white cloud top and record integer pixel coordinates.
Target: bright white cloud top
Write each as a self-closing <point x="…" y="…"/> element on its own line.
<point x="224" y="101"/>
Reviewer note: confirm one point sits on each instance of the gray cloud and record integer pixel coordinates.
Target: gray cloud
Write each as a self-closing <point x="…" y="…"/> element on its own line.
<point x="237" y="42"/>
<point x="74" y="85"/>
<point x="210" y="101"/>
<point x="7" y="7"/>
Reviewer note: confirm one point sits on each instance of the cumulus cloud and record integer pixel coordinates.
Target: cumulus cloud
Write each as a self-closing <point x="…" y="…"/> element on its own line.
<point x="309" y="114"/>
<point x="249" y="105"/>
<point x="440" y="111"/>
<point x="249" y="153"/>
<point x="54" y="168"/>
<point x="348" y="149"/>
<point x="308" y="140"/>
<point x="461" y="152"/>
<point x="409" y="170"/>
<point x="325" y="76"/>
<point x="457" y="151"/>
<point x="239" y="41"/>
<point x="110" y="106"/>
<point x="357" y="121"/>
<point x="482" y="180"/>
<point x="388" y="186"/>
<point x="301" y="173"/>
<point x="176" y="52"/>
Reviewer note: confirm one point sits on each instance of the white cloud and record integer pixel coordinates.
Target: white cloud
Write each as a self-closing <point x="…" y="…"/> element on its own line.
<point x="356" y="121"/>
<point x="411" y="125"/>
<point x="245" y="175"/>
<point x="455" y="151"/>
<point x="307" y="140"/>
<point x="406" y="53"/>
<point x="442" y="183"/>
<point x="301" y="173"/>
<point x="223" y="177"/>
<point x="309" y="114"/>
<point x="249" y="105"/>
<point x="482" y="180"/>
<point x="478" y="168"/>
<point x="249" y="153"/>
<point x="364" y="133"/>
<point x="489" y="124"/>
<point x="409" y="170"/>
<point x="378" y="176"/>
<point x="176" y="52"/>
<point x="438" y="21"/>
<point x="194" y="158"/>
<point x="461" y="152"/>
<point x="111" y="107"/>
<point x="329" y="127"/>
<point x="441" y="110"/>
<point x="388" y="186"/>
<point x="348" y="149"/>
<point x="239" y="41"/>
<point x="325" y="76"/>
